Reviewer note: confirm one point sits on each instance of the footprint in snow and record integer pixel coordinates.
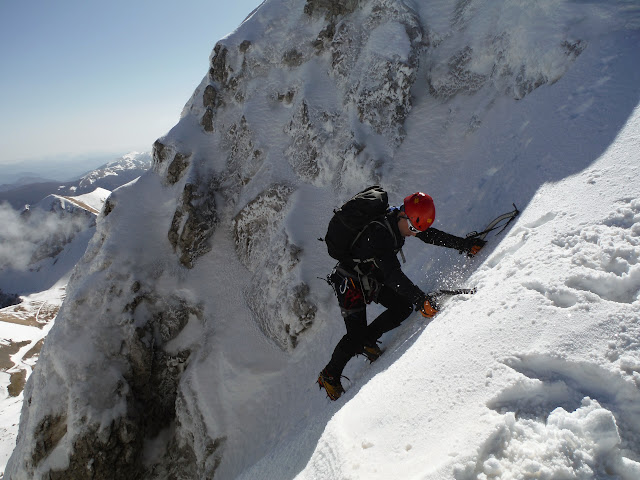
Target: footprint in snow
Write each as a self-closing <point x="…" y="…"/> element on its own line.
<point x="607" y="255"/>
<point x="562" y="419"/>
<point x="559" y="297"/>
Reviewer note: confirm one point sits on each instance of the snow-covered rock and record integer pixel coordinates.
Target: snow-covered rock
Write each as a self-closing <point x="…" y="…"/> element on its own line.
<point x="41" y="246"/>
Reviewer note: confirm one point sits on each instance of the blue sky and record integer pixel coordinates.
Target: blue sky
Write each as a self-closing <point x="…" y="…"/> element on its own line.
<point x="87" y="76"/>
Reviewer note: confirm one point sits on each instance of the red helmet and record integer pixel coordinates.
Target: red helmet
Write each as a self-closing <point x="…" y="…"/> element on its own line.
<point x="420" y="209"/>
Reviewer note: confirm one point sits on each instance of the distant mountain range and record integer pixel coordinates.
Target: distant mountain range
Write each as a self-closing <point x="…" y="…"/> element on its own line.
<point x="32" y="189"/>
<point x="59" y="168"/>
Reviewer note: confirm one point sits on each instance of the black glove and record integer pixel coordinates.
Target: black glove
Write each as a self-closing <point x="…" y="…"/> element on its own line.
<point x="472" y="245"/>
<point x="427" y="305"/>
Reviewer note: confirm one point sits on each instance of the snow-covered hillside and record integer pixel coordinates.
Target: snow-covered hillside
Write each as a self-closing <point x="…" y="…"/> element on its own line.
<point x="195" y="325"/>
<point x="114" y="174"/>
<point x="109" y="176"/>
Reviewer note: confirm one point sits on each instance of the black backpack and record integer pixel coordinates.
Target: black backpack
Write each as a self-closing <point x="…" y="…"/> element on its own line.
<point x="350" y="220"/>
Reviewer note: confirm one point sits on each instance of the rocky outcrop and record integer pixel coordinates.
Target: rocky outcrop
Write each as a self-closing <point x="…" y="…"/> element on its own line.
<point x="225" y="74"/>
<point x="379" y="78"/>
<point x="266" y="251"/>
<point x="459" y="79"/>
<point x="467" y="71"/>
<point x="330" y="8"/>
<point x="108" y="207"/>
<point x="195" y="217"/>
<point x="211" y="100"/>
<point x="306" y="145"/>
<point x="102" y="453"/>
<point x="169" y="163"/>
<point x="48" y="434"/>
<point x="8" y="299"/>
<point x="109" y="434"/>
<point x="376" y="85"/>
<point x="219" y="72"/>
<point x="193" y="223"/>
<point x="243" y="160"/>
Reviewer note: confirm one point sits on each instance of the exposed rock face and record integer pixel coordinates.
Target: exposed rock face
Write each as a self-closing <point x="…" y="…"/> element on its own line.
<point x="8" y="299"/>
<point x="373" y="83"/>
<point x="266" y="251"/>
<point x="305" y="149"/>
<point x="211" y="101"/>
<point x="466" y="71"/>
<point x="330" y="8"/>
<point x="109" y="205"/>
<point x="459" y="79"/>
<point x="195" y="217"/>
<point x="380" y="79"/>
<point x="48" y="433"/>
<point x="193" y="223"/>
<point x="226" y="71"/>
<point x="219" y="71"/>
<point x="142" y="398"/>
<point x="242" y="162"/>
<point x="102" y="452"/>
<point x="169" y="163"/>
<point x="376" y="85"/>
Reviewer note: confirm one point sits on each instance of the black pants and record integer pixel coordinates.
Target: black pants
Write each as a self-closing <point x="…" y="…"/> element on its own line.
<point x="353" y="305"/>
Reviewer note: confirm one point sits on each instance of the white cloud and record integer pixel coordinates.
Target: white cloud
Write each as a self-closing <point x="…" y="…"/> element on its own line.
<point x="28" y="237"/>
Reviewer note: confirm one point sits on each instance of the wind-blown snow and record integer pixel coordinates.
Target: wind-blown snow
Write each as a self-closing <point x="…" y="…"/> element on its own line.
<point x="537" y="375"/>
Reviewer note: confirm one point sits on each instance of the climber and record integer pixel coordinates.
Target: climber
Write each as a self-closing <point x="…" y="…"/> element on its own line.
<point x="365" y="235"/>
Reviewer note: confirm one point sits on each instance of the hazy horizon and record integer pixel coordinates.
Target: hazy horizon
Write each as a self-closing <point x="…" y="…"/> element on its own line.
<point x="58" y="167"/>
<point x="84" y="79"/>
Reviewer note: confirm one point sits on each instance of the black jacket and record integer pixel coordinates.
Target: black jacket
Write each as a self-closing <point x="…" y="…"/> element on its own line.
<point x="377" y="249"/>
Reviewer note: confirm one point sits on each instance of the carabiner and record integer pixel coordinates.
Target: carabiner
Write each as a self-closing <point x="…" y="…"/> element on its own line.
<point x="345" y="286"/>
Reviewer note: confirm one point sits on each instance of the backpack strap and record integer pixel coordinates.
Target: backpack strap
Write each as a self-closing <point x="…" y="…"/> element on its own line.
<point x="385" y="223"/>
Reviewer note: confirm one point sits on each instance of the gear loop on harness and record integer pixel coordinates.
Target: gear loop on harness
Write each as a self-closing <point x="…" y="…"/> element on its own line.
<point x="343" y="280"/>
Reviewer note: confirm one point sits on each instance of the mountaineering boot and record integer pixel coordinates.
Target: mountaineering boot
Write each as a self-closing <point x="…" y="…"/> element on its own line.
<point x="372" y="352"/>
<point x="332" y="385"/>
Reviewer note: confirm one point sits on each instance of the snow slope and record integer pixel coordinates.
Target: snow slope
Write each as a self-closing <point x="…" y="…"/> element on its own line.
<point x="535" y="376"/>
<point x="195" y="325"/>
